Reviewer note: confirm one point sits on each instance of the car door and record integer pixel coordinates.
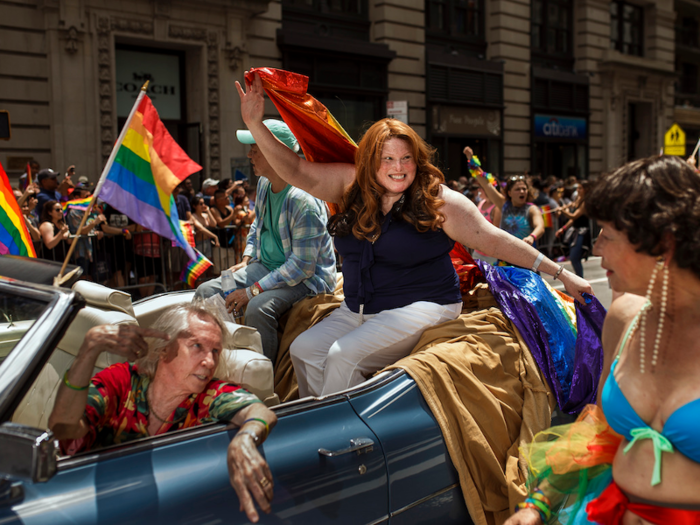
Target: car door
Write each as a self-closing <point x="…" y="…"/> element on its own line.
<point x="423" y="484"/>
<point x="183" y="477"/>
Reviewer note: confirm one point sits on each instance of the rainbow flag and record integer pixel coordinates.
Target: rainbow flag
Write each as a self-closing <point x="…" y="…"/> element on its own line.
<point x="187" y="232"/>
<point x="194" y="269"/>
<point x="77" y="204"/>
<point x="547" y="216"/>
<point x="147" y="166"/>
<point x="14" y="235"/>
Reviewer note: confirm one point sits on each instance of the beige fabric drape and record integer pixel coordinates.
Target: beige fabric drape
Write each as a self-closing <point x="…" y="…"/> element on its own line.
<point x="482" y="385"/>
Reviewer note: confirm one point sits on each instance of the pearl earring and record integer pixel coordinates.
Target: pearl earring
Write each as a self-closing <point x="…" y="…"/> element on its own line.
<point x="662" y="316"/>
<point x="643" y="317"/>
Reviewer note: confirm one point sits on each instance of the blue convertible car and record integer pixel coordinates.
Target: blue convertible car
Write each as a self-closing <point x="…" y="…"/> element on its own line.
<point x="372" y="454"/>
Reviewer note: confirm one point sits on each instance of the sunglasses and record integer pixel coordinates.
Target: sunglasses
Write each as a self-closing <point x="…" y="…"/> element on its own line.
<point x="516" y="177"/>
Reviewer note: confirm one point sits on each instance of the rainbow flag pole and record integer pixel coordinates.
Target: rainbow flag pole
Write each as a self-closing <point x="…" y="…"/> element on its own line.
<point x="60" y="278"/>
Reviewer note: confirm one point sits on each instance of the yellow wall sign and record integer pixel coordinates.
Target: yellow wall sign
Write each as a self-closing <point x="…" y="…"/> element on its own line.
<point x="674" y="141"/>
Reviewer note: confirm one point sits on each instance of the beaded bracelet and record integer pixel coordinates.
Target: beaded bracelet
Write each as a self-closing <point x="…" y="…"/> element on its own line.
<point x="538" y="502"/>
<point x="540" y="509"/>
<point x="259" y="420"/>
<point x="539" y="495"/>
<point x="475" y="169"/>
<point x="72" y="386"/>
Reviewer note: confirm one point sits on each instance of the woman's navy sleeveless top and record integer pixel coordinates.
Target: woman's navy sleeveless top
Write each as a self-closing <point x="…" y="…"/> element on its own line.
<point x="402" y="267"/>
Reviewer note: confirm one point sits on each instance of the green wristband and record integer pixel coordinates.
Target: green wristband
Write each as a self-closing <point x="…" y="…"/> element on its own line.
<point x="71" y="386"/>
<point x="259" y="420"/>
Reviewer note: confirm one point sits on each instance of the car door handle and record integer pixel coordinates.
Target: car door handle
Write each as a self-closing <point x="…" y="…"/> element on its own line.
<point x="11" y="492"/>
<point x="359" y="445"/>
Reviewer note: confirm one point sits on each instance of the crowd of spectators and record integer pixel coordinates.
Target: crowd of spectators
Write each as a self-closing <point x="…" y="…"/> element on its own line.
<point x="114" y="250"/>
<point x="558" y="199"/>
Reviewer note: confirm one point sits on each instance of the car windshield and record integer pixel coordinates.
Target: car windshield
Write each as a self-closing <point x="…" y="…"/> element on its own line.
<point x="17" y="315"/>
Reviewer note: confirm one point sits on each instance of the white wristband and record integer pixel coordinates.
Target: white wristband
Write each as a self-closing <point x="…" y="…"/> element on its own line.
<point x="249" y="293"/>
<point x="537" y="262"/>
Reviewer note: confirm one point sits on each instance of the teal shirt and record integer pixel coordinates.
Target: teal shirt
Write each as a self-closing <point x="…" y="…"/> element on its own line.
<point x="271" y="248"/>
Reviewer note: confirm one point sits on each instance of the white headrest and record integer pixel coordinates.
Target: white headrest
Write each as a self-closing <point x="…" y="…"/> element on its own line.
<point x="241" y="336"/>
<point x="247" y="369"/>
<point x="87" y="318"/>
<point x="150" y="309"/>
<point x="105" y="298"/>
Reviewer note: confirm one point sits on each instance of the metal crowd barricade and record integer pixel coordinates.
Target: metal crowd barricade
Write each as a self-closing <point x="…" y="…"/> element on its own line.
<point x="146" y="263"/>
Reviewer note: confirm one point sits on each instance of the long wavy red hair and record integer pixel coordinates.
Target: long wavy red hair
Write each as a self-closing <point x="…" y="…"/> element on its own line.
<point x="360" y="207"/>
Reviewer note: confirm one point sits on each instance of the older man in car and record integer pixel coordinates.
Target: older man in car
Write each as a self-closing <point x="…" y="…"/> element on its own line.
<point x="170" y="386"/>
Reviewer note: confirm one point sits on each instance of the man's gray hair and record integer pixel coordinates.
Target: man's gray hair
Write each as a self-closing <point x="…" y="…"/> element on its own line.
<point x="174" y="321"/>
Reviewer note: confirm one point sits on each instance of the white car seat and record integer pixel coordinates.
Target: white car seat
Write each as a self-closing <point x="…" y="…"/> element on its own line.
<point x="36" y="407"/>
<point x="150" y="309"/>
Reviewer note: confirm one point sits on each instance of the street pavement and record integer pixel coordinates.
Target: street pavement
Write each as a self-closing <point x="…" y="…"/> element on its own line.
<point x="594" y="274"/>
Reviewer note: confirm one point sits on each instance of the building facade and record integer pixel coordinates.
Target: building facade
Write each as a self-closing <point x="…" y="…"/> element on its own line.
<point x="557" y="87"/>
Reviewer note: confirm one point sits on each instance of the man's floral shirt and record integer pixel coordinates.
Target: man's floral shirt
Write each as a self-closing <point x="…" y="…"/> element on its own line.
<point x="117" y="408"/>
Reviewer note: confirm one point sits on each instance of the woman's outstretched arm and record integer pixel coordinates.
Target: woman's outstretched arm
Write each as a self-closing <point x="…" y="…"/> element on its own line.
<point x="466" y="225"/>
<point x="324" y="181"/>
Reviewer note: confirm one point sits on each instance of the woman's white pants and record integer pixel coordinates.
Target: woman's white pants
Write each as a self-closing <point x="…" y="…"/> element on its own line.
<point x="345" y="348"/>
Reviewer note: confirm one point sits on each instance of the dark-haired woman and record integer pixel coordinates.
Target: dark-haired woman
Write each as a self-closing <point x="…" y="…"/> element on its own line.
<point x="244" y="218"/>
<point x="397" y="226"/>
<point x="518" y="217"/>
<point x="203" y="222"/>
<point x="649" y="390"/>
<point x="54" y="232"/>
<point x="578" y="220"/>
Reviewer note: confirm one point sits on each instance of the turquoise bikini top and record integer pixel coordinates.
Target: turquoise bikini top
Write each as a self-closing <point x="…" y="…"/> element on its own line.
<point x="680" y="431"/>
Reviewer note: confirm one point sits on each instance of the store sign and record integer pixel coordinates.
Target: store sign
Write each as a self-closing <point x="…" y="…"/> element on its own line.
<point x="466" y="121"/>
<point x="162" y="72"/>
<point x="397" y="109"/>
<point x="556" y="127"/>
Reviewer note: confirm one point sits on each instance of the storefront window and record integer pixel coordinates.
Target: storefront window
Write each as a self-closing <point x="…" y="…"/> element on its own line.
<point x="454" y="127"/>
<point x="165" y="71"/>
<point x="560" y="160"/>
<point x="560" y="146"/>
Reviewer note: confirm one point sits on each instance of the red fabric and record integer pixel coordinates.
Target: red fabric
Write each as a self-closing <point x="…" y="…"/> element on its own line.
<point x="611" y="505"/>
<point x="467" y="270"/>
<point x="310" y="121"/>
<point x="147" y="244"/>
<point x="320" y="136"/>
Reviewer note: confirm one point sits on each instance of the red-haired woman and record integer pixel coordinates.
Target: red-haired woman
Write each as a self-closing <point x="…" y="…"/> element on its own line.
<point x="397" y="226"/>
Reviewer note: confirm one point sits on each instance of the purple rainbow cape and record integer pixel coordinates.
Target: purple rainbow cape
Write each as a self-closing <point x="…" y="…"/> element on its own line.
<point x="569" y="354"/>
